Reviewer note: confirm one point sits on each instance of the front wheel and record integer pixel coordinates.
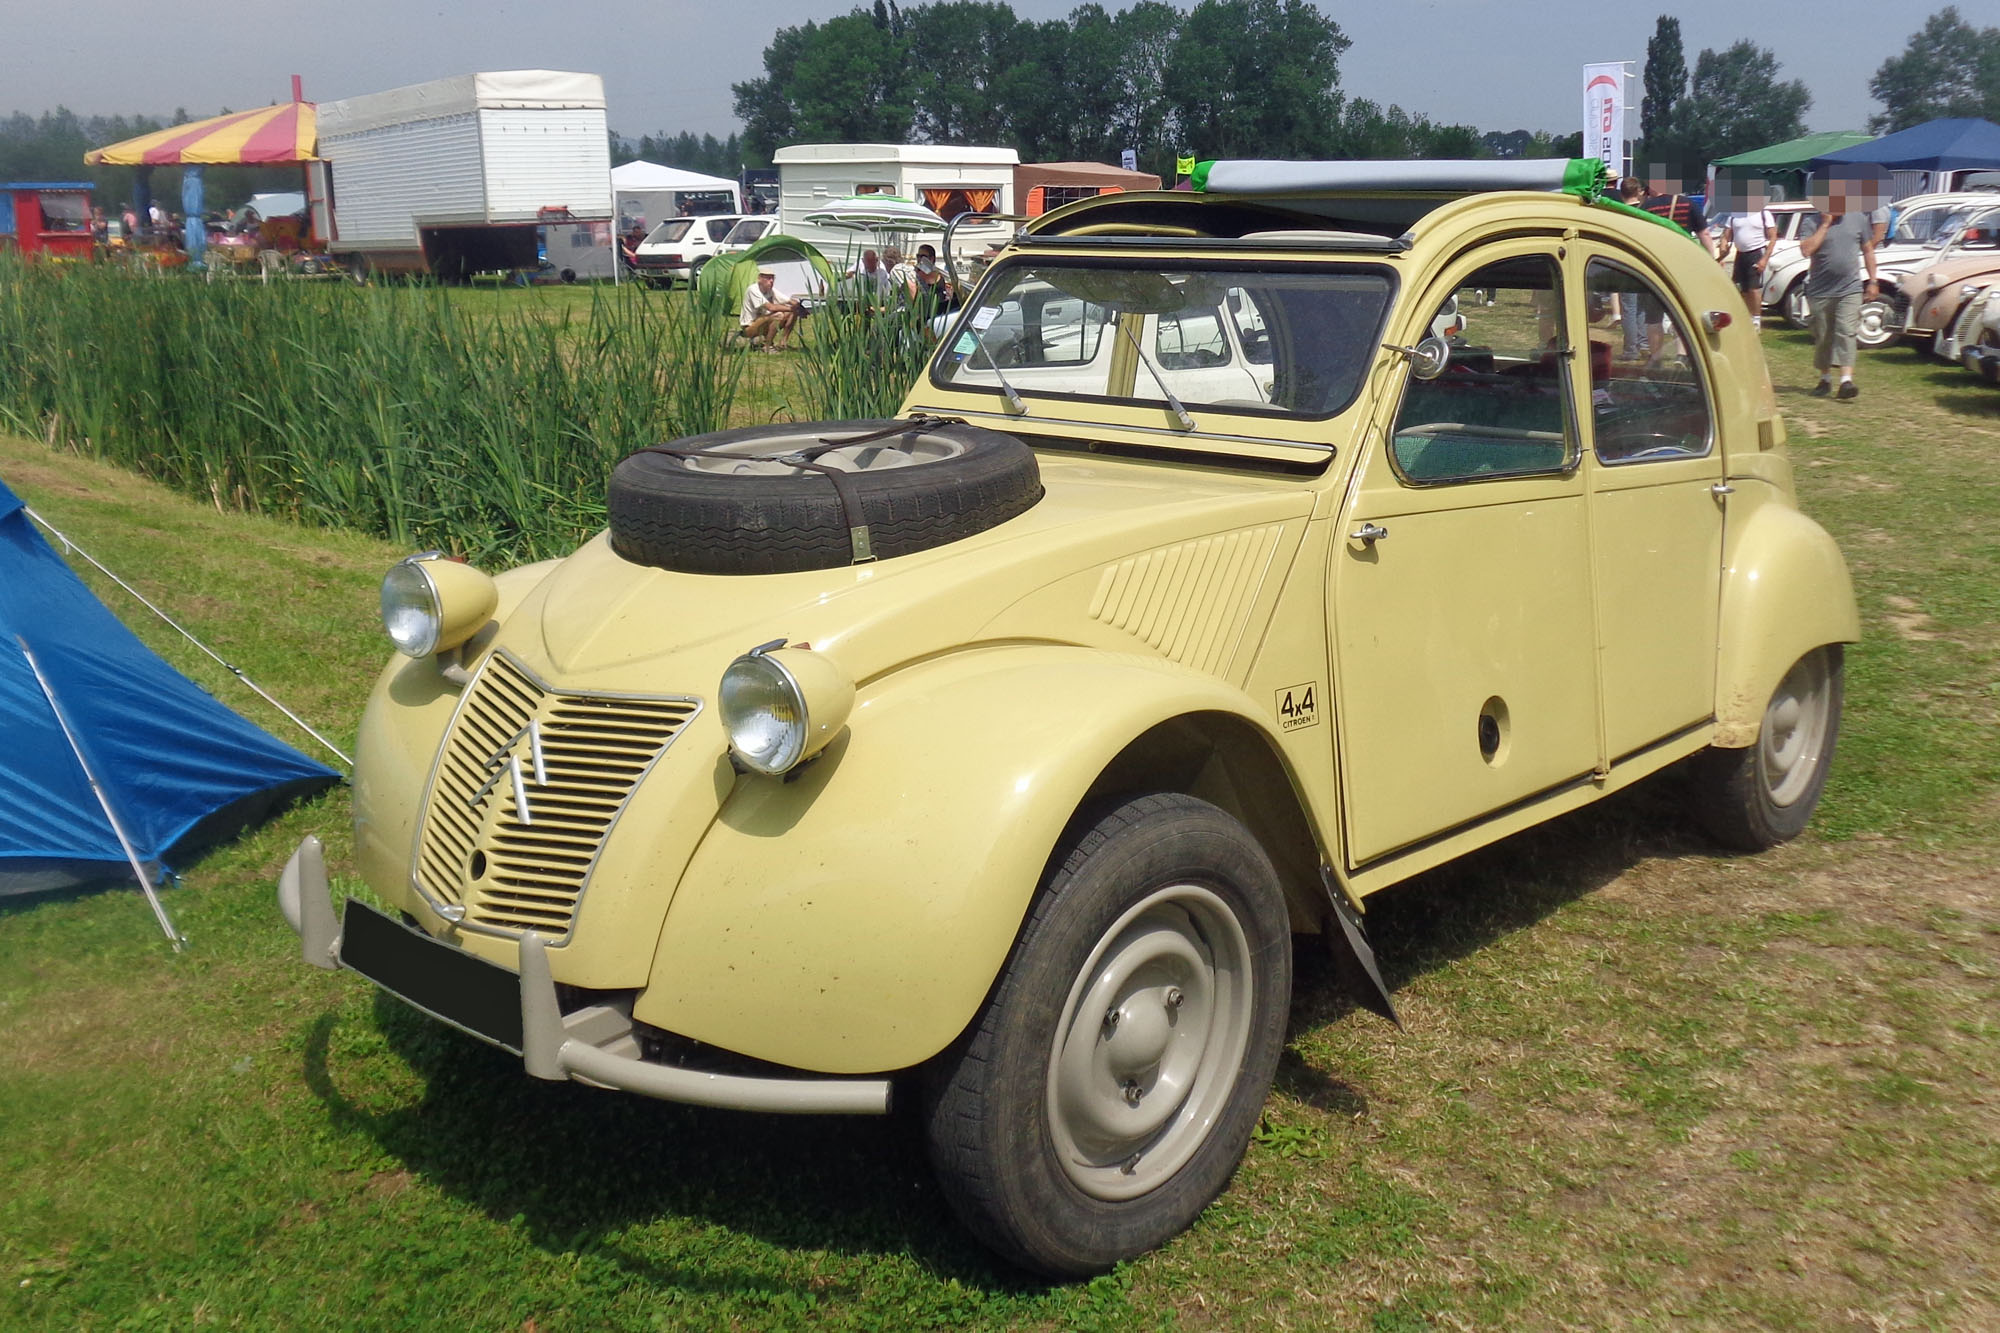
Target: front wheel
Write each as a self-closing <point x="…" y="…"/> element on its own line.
<point x="1756" y="798"/>
<point x="1108" y="1090"/>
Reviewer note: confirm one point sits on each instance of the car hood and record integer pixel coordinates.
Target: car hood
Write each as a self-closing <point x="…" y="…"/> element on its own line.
<point x="602" y="622"/>
<point x="1956" y="270"/>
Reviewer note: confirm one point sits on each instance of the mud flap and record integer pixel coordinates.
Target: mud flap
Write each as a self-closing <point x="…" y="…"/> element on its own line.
<point x="1354" y="958"/>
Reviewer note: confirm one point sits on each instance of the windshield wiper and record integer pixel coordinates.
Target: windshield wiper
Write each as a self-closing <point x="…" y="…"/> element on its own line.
<point x="1180" y="411"/>
<point x="1013" y="396"/>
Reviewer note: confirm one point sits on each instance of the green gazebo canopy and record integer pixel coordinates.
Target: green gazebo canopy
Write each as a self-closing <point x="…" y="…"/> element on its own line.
<point x="1793" y="154"/>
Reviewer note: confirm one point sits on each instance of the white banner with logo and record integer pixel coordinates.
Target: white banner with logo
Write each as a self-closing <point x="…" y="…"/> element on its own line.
<point x="1604" y="114"/>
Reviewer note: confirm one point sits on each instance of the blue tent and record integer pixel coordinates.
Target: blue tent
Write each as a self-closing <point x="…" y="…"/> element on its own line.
<point x="180" y="769"/>
<point x="1935" y="145"/>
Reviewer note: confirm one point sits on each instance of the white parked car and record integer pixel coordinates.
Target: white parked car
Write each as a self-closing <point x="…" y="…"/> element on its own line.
<point x="1977" y="335"/>
<point x="678" y="247"/>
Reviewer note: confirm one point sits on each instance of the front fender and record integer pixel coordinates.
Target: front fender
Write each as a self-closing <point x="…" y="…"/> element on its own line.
<point x="853" y="918"/>
<point x="1785" y="592"/>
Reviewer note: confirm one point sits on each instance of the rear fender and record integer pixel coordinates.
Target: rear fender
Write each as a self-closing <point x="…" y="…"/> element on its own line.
<point x="1785" y="592"/>
<point x="853" y="917"/>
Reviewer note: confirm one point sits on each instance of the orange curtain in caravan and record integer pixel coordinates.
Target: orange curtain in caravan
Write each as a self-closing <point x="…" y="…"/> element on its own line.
<point x="980" y="201"/>
<point x="937" y="200"/>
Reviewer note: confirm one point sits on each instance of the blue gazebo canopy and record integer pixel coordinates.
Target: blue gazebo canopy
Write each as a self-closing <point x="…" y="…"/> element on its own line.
<point x="1956" y="144"/>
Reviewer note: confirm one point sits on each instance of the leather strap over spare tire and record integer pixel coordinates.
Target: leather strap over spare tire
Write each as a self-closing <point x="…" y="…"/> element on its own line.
<point x="815" y="495"/>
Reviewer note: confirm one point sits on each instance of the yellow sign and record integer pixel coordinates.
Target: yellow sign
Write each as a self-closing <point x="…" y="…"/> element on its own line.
<point x="1184" y="166"/>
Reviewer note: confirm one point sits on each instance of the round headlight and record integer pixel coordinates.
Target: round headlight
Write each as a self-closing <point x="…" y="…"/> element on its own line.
<point x="431" y="604"/>
<point x="781" y="706"/>
<point x="410" y="610"/>
<point x="764" y="713"/>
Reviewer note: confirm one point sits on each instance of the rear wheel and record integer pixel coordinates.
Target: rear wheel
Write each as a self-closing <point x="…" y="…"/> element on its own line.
<point x="1107" y="1091"/>
<point x="1758" y="797"/>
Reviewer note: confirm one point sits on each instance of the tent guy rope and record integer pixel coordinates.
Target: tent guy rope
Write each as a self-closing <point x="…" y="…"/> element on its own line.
<point x="230" y="667"/>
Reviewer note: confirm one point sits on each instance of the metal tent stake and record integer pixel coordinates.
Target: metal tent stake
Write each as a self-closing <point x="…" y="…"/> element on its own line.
<point x="103" y="798"/>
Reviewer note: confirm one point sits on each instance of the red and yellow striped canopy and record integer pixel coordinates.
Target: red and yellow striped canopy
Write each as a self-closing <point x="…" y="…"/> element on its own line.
<point x="288" y="132"/>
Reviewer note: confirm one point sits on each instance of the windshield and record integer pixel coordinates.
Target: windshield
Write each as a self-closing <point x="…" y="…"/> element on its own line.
<point x="1926" y="226"/>
<point x="669" y="231"/>
<point x="1266" y="337"/>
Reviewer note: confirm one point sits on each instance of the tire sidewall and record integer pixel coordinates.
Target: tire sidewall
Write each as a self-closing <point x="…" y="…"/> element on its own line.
<point x="1063" y="1230"/>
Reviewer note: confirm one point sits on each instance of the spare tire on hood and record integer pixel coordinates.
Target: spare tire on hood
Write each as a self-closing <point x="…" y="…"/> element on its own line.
<point x="815" y="495"/>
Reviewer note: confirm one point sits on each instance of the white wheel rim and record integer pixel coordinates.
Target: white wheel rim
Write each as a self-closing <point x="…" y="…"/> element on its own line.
<point x="1151" y="1043"/>
<point x="765" y="457"/>
<point x="1792" y="744"/>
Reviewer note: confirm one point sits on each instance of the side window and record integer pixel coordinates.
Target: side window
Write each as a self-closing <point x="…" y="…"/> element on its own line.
<point x="719" y="229"/>
<point x="1646" y="398"/>
<point x="1500" y="408"/>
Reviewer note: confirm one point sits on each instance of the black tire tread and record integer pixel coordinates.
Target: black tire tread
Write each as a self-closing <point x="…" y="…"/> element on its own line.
<point x="668" y="516"/>
<point x="1730" y="802"/>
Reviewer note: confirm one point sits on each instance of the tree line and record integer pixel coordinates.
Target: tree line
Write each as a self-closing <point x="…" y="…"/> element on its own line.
<point x="1223" y="78"/>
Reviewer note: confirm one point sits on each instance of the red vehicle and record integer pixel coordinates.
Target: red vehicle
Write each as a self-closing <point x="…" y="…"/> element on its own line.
<point x="47" y="218"/>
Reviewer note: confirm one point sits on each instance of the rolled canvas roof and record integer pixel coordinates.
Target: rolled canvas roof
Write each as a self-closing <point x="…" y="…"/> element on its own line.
<point x="1437" y="174"/>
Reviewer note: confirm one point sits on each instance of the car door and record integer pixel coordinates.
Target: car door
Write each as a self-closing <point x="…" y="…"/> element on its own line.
<point x="1460" y="585"/>
<point x="1652" y="472"/>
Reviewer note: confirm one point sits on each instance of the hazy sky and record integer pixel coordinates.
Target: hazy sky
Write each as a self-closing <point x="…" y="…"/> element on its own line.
<point x="668" y="64"/>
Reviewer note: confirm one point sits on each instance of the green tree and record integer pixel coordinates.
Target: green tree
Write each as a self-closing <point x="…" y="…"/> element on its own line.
<point x="960" y="56"/>
<point x="1736" y="102"/>
<point x="1948" y="68"/>
<point x="1665" y="87"/>
<point x="1255" y="77"/>
<point x="843" y="80"/>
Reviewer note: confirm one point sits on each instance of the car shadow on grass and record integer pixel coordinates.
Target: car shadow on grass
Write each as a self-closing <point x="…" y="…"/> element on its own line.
<point x="639" y="1181"/>
<point x="1466" y="905"/>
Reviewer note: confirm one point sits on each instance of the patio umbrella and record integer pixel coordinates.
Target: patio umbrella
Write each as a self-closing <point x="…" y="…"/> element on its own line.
<point x="875" y="212"/>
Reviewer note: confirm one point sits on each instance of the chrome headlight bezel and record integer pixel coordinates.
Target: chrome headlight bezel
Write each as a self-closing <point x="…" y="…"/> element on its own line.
<point x="432" y="603"/>
<point x="780" y="706"/>
<point x="758" y="694"/>
<point x="412" y="611"/>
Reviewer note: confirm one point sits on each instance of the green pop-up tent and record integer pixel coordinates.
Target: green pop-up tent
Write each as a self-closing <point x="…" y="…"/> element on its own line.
<point x="1786" y="164"/>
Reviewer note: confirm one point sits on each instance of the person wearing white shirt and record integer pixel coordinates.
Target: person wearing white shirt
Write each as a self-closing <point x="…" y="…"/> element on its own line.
<point x="767" y="313"/>
<point x="1746" y="231"/>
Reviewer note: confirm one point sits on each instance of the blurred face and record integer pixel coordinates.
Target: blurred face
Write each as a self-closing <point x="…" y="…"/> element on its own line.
<point x="869" y="261"/>
<point x="1663" y="180"/>
<point x="766" y="281"/>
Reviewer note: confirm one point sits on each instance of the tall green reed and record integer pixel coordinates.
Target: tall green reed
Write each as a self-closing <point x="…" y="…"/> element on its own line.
<point x="393" y="411"/>
<point x="856" y="361"/>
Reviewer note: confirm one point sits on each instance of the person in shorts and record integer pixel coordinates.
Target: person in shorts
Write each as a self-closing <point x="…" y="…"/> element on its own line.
<point x="767" y="313"/>
<point x="1840" y="249"/>
<point x="1746" y="228"/>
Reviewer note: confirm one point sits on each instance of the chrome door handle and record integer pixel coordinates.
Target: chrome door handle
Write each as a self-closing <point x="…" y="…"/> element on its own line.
<point x="1721" y="488"/>
<point x="1369" y="532"/>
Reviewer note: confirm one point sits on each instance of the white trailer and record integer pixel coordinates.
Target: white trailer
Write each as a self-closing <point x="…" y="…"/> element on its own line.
<point x="951" y="180"/>
<point x="475" y="173"/>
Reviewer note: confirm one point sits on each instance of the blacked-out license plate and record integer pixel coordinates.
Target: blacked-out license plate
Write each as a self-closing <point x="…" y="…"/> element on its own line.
<point x="446" y="983"/>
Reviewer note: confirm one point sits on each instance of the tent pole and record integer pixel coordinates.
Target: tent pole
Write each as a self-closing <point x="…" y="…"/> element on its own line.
<point x="174" y="937"/>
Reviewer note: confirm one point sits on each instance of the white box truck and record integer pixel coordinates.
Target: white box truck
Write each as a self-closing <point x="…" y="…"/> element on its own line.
<point x="949" y="178"/>
<point x="475" y="173"/>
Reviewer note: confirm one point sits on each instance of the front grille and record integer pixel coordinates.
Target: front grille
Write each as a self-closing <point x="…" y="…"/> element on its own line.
<point x="475" y="849"/>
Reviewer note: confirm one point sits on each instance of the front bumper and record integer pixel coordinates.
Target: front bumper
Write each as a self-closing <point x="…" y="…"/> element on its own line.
<point x="595" y="1044"/>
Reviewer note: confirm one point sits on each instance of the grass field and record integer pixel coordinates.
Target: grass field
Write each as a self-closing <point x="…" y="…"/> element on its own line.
<point x="1643" y="1085"/>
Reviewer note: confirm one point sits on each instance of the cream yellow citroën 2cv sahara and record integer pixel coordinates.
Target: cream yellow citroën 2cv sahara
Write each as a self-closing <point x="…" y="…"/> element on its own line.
<point x="1244" y="550"/>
